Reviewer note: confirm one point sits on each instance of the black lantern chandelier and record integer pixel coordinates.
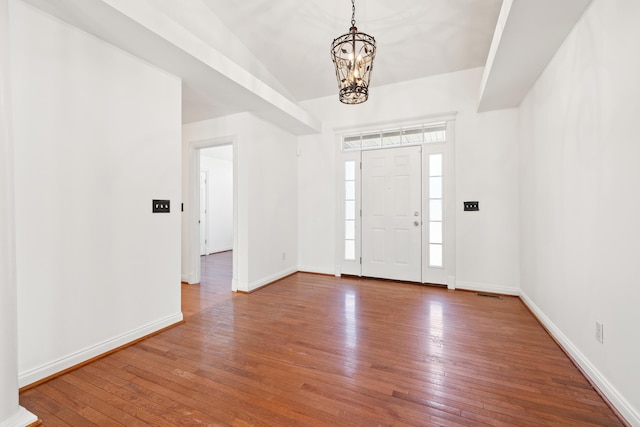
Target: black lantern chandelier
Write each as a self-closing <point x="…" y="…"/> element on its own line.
<point x="352" y="55"/>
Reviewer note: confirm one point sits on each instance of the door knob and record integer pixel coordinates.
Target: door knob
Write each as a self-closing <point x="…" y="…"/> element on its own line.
<point x="416" y="223"/>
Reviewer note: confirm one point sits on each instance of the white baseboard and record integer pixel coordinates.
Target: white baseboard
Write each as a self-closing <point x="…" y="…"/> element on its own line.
<point x="270" y="279"/>
<point x="451" y="282"/>
<point x="187" y="278"/>
<point x="211" y="251"/>
<point x="48" y="369"/>
<point x="619" y="402"/>
<point x="22" y="418"/>
<point x="481" y="287"/>
<point x="316" y="270"/>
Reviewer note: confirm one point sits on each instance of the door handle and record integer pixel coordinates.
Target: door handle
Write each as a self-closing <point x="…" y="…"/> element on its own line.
<point x="416" y="223"/>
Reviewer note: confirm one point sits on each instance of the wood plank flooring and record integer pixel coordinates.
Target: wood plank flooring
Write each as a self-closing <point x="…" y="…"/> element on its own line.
<point x="315" y="350"/>
<point x="214" y="287"/>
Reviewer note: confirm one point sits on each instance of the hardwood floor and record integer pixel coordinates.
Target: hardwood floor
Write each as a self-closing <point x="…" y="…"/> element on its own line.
<point x="214" y="287"/>
<point x="315" y="350"/>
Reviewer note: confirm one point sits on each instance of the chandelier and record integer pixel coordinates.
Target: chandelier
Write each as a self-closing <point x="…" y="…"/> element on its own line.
<point x="352" y="56"/>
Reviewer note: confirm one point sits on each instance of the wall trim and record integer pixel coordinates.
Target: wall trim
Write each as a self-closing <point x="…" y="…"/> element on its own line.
<point x="254" y="286"/>
<point x="52" y="368"/>
<point x="602" y="385"/>
<point x="407" y="122"/>
<point x="22" y="418"/>
<point x="494" y="289"/>
<point x="193" y="203"/>
<point x="316" y="270"/>
<point x="218" y="250"/>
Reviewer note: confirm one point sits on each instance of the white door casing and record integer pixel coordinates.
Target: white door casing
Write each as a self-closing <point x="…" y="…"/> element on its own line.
<point x="192" y="210"/>
<point x="391" y="241"/>
<point x="438" y="198"/>
<point x="204" y="222"/>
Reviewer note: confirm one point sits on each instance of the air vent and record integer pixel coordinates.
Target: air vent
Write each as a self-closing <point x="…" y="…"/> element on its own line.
<point x="494" y="296"/>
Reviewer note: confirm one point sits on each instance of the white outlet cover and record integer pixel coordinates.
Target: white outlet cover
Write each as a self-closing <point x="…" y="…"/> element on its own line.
<point x="599" y="332"/>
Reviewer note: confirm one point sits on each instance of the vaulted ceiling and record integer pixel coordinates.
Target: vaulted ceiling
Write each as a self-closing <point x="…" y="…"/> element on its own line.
<point x="415" y="38"/>
<point x="266" y="56"/>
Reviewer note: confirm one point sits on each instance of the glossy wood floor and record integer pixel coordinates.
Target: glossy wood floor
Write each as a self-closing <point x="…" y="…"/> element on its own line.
<point x="315" y="350"/>
<point x="214" y="287"/>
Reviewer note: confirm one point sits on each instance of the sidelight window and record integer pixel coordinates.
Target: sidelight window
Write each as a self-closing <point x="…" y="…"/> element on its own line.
<point x="350" y="210"/>
<point x="435" y="210"/>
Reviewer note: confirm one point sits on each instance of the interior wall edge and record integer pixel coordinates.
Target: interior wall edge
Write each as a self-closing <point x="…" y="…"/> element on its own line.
<point x="484" y="287"/>
<point x="619" y="403"/>
<point x="257" y="284"/>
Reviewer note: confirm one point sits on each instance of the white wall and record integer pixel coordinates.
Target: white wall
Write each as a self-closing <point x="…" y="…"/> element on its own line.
<point x="11" y="414"/>
<point x="219" y="201"/>
<point x="486" y="170"/>
<point x="316" y="191"/>
<point x="8" y="298"/>
<point x="95" y="267"/>
<point x="267" y="197"/>
<point x="579" y="175"/>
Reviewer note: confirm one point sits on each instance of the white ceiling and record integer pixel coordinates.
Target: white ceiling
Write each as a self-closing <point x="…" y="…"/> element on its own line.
<point x="415" y="38"/>
<point x="264" y="56"/>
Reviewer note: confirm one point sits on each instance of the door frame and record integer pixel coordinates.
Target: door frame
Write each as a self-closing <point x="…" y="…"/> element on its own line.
<point x="193" y="204"/>
<point x="204" y="228"/>
<point x="449" y="193"/>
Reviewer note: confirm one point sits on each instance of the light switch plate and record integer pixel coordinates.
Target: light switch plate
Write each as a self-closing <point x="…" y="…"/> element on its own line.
<point x="471" y="206"/>
<point x="161" y="206"/>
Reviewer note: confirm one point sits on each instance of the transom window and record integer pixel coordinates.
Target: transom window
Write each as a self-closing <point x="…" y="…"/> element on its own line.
<point x="423" y="134"/>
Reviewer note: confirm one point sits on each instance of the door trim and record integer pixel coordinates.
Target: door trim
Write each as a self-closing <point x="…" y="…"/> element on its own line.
<point x="193" y="207"/>
<point x="449" y="190"/>
<point x="204" y="228"/>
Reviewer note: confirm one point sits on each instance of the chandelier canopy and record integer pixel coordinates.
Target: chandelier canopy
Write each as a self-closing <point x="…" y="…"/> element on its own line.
<point x="352" y="56"/>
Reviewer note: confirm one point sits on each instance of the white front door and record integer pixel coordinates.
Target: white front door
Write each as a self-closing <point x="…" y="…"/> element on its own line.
<point x="392" y="213"/>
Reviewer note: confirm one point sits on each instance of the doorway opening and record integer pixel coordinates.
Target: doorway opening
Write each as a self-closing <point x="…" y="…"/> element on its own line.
<point x="216" y="216"/>
<point x="212" y="213"/>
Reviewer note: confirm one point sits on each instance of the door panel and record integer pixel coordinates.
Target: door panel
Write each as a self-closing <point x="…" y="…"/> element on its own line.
<point x="391" y="213"/>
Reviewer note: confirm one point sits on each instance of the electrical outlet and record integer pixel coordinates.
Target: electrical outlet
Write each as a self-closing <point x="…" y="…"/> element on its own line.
<point x="599" y="332"/>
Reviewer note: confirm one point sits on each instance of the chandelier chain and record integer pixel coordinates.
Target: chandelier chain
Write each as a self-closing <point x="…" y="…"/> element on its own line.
<point x="353" y="13"/>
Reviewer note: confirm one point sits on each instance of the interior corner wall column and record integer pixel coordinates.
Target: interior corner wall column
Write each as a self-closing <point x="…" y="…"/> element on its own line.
<point x="11" y="414"/>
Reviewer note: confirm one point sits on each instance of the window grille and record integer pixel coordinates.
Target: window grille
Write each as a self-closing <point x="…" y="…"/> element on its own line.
<point x="423" y="134"/>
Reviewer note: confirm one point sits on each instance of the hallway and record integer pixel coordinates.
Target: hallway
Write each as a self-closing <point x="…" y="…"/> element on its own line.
<point x="215" y="287"/>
